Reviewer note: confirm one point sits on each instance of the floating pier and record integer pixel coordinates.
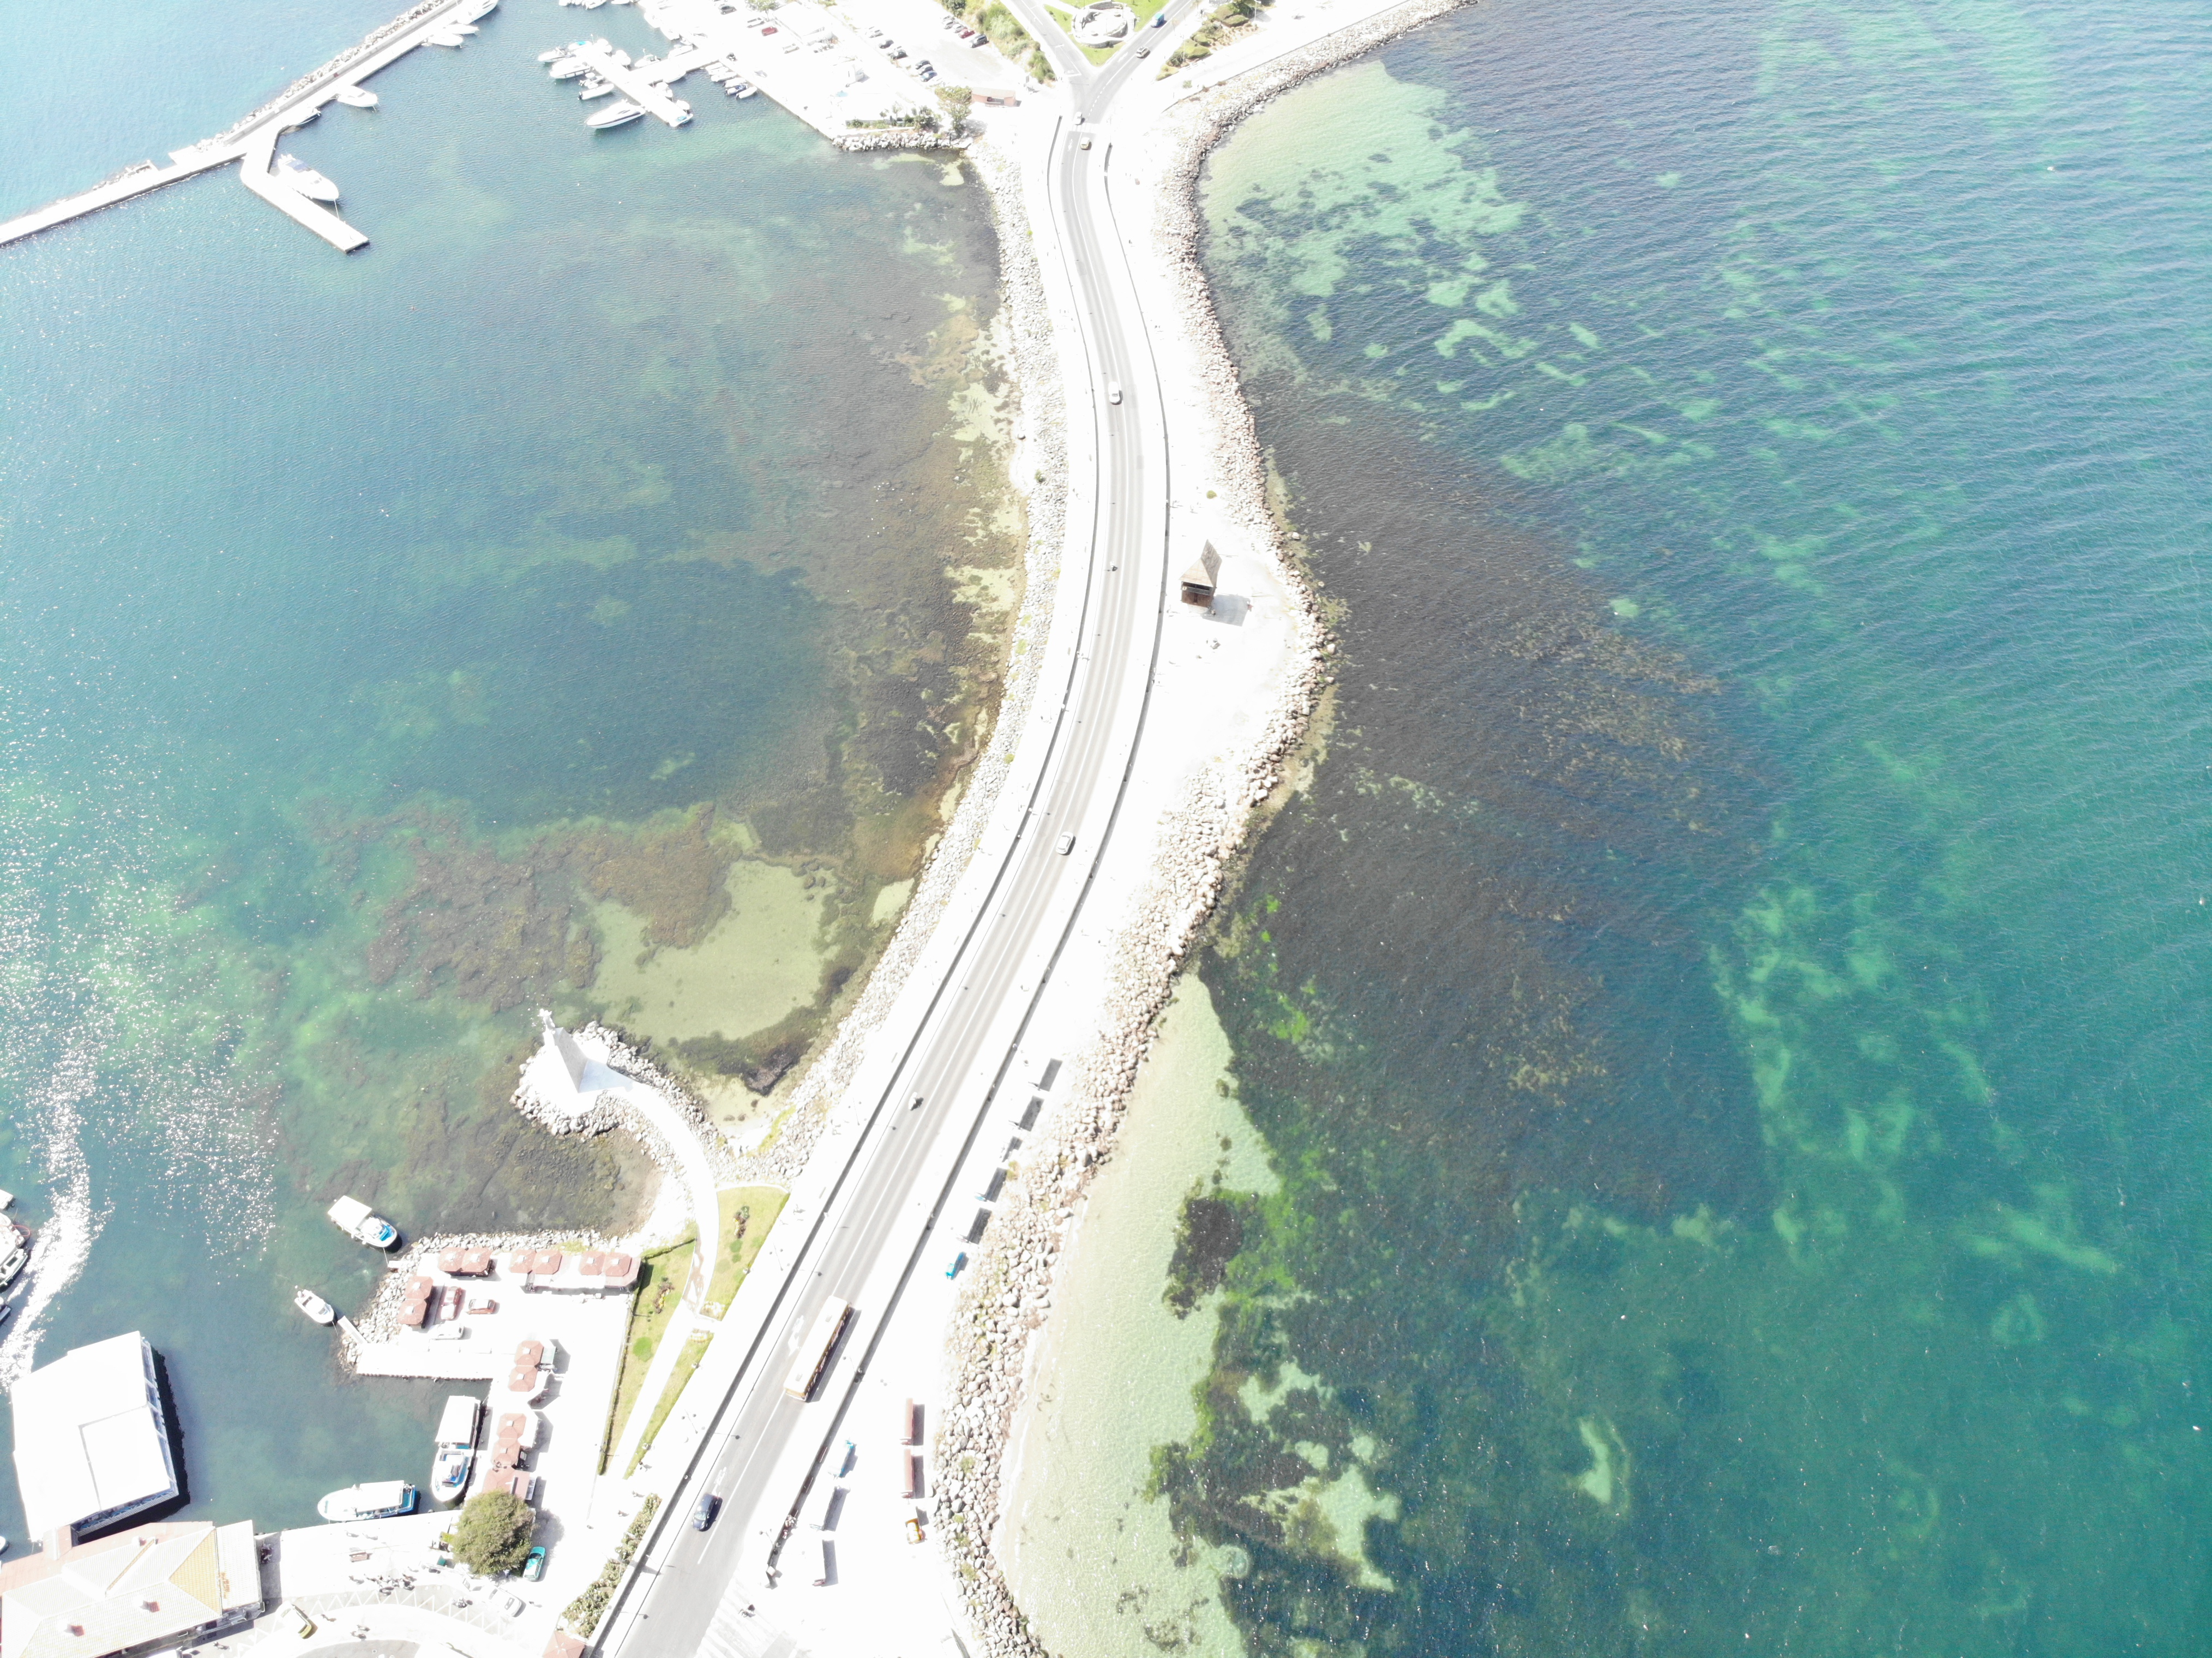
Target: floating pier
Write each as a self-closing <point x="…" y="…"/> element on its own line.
<point x="251" y="141"/>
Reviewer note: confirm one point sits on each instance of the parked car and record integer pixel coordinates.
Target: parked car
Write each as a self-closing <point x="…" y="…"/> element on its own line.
<point x="509" y="1602"/>
<point x="703" y="1515"/>
<point x="981" y="40"/>
<point x="534" y="1564"/>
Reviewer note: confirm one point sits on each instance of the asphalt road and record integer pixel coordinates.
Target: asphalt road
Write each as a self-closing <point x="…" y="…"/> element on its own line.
<point x="867" y="1219"/>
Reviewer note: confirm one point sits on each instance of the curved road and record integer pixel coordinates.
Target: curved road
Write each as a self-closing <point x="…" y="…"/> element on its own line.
<point x="1037" y="894"/>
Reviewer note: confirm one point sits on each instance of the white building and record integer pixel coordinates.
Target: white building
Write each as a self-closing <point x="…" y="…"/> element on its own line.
<point x="144" y="1591"/>
<point x="92" y="1439"/>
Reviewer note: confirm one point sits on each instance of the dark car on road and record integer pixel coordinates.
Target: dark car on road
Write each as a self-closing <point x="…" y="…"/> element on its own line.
<point x="703" y="1515"/>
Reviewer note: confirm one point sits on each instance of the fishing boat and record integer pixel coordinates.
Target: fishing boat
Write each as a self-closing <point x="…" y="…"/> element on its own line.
<point x="291" y="170"/>
<point x="314" y="1307"/>
<point x="351" y="1217"/>
<point x="356" y="97"/>
<point x="615" y="115"/>
<point x="378" y="1499"/>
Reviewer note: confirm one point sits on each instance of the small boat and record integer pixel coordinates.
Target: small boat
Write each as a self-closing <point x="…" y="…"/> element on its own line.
<point x="449" y="1474"/>
<point x="463" y="28"/>
<point x="291" y="170"/>
<point x="356" y="97"/>
<point x="615" y="115"/>
<point x="568" y="69"/>
<point x="14" y="1251"/>
<point x="379" y="1499"/>
<point x="314" y="1307"/>
<point x="446" y="38"/>
<point x="745" y="91"/>
<point x="594" y="89"/>
<point x="554" y="56"/>
<point x="351" y="1217"/>
<point x="622" y="58"/>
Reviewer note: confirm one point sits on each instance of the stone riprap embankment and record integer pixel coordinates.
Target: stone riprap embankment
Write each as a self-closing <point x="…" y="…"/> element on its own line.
<point x="380" y="1320"/>
<point x="1198" y="843"/>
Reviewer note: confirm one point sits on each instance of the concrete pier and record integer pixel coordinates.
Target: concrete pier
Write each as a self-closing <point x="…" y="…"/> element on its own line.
<point x="646" y="86"/>
<point x="252" y="140"/>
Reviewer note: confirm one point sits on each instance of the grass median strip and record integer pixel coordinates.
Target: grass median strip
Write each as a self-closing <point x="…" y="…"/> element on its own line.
<point x="748" y="1211"/>
<point x="695" y="1349"/>
<point x="660" y="1280"/>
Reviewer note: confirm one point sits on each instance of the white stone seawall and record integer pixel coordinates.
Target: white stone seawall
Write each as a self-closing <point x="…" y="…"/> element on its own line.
<point x="1009" y="1289"/>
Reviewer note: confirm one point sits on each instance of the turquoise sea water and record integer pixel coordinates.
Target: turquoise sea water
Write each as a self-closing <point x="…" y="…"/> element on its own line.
<point x="1731" y="1012"/>
<point x="371" y="625"/>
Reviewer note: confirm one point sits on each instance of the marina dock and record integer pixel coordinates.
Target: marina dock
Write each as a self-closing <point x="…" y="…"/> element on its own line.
<point x="251" y="141"/>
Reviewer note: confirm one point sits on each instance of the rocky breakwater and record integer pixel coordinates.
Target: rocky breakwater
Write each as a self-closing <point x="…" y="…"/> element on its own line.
<point x="560" y="1111"/>
<point x="1195" y="858"/>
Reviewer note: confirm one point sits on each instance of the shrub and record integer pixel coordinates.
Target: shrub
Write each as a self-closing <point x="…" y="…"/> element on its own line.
<point x="584" y="1613"/>
<point x="492" y="1537"/>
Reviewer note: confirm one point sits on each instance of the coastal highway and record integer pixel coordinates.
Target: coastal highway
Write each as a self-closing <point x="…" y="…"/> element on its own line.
<point x="1034" y="896"/>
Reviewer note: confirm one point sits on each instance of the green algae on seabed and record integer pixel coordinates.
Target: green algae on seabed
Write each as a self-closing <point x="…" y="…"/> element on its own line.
<point x="1781" y="1230"/>
<point x="1091" y="1560"/>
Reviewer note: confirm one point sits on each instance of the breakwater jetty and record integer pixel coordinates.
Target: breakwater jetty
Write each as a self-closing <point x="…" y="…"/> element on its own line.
<point x="251" y="141"/>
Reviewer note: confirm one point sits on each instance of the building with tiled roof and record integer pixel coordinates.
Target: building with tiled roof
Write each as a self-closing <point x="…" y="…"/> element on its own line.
<point x="140" y="1591"/>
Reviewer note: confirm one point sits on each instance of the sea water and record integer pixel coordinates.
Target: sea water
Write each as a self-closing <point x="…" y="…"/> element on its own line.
<point x="391" y="639"/>
<point x="1729" y="1016"/>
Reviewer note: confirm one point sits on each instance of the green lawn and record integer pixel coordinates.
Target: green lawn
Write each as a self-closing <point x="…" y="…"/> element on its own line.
<point x="748" y="1211"/>
<point x="660" y="1280"/>
<point x="686" y="1362"/>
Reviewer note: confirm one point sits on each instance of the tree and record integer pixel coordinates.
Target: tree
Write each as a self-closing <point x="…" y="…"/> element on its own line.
<point x="957" y="101"/>
<point x="492" y="1536"/>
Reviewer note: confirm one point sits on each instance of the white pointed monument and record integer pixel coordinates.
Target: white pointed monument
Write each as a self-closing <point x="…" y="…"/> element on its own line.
<point x="565" y="1076"/>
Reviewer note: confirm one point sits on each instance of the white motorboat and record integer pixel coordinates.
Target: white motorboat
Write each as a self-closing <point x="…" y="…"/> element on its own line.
<point x="351" y="1217"/>
<point x="568" y="69"/>
<point x="446" y="38"/>
<point x="463" y="28"/>
<point x="314" y="1307"/>
<point x="615" y="115"/>
<point x="747" y="91"/>
<point x="291" y="170"/>
<point x="554" y="56"/>
<point x="378" y="1499"/>
<point x="356" y="97"/>
<point x="594" y="89"/>
<point x="449" y="1474"/>
<point x="14" y="1251"/>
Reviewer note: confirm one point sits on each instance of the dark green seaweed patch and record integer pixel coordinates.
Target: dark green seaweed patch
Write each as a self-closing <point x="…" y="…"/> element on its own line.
<point x="1207" y="1237"/>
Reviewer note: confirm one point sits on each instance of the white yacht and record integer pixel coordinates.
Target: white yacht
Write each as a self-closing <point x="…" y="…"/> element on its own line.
<point x="615" y="115"/>
<point x="291" y="170"/>
<point x="356" y="97"/>
<point x="567" y="69"/>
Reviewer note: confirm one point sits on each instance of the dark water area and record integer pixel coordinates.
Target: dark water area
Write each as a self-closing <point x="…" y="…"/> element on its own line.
<point x="1730" y="1010"/>
<point x="372" y="629"/>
